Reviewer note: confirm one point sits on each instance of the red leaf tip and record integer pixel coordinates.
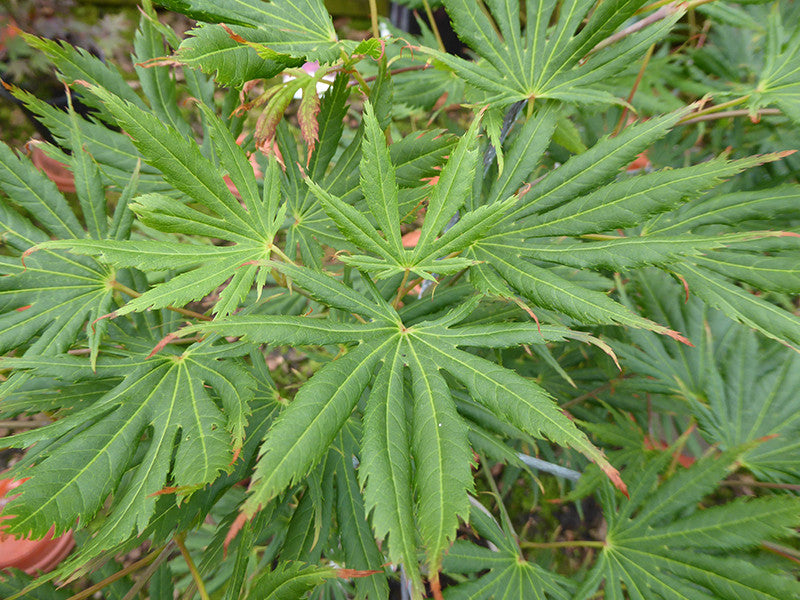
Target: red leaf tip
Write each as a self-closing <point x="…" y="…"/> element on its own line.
<point x="353" y="573"/>
<point x="678" y="337"/>
<point x="616" y="479"/>
<point x="236" y="526"/>
<point x="164" y="341"/>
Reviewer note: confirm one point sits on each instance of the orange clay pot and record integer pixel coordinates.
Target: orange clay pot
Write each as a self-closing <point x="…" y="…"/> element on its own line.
<point x="31" y="556"/>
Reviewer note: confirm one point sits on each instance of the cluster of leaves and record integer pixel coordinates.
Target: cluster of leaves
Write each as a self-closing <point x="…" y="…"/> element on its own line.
<point x="206" y="238"/>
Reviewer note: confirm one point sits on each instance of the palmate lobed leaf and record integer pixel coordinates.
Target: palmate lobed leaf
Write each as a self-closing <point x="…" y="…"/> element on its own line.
<point x="183" y="165"/>
<point x="441" y="458"/>
<point x="378" y="184"/>
<point x="299" y="28"/>
<point x="211" y="49"/>
<point x="510" y="575"/>
<point x="546" y="62"/>
<point x="679" y="564"/>
<point x="188" y="442"/>
<point x="113" y="151"/>
<point x="779" y="81"/>
<point x="577" y="201"/>
<point x="412" y="368"/>
<point x="46" y="303"/>
<point x="741" y="389"/>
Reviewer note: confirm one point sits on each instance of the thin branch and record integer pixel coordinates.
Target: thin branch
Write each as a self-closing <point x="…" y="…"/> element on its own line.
<point x="145" y="577"/>
<point x="586" y="396"/>
<point x="183" y="311"/>
<point x="414" y="283"/>
<point x="688" y="5"/>
<point x="574" y="544"/>
<point x="762" y="484"/>
<point x="24" y="424"/>
<point x="401" y="70"/>
<point x="90" y="591"/>
<point x="715" y="108"/>
<point x="661" y="13"/>
<point x="373" y="15"/>
<point x="730" y="113"/>
<point x="434" y="27"/>
<point x="787" y="553"/>
<point x="623" y="117"/>
<point x="198" y="581"/>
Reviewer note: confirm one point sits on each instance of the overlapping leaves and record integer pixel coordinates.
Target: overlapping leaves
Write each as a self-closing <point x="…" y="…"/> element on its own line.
<point x="394" y="398"/>
<point x="271" y="37"/>
<point x="433" y="436"/>
<point x="47" y="300"/>
<point x="658" y="545"/>
<point x="573" y="217"/>
<point x="544" y="61"/>
<point x="157" y="425"/>
<point x="510" y="575"/>
<point x="250" y="229"/>
<point x="741" y="389"/>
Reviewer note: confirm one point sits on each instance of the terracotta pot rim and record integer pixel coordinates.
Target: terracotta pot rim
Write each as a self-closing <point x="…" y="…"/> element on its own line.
<point x="30" y="556"/>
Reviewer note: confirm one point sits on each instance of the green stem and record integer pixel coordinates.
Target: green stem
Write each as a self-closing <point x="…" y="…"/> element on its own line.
<point x="434" y="27"/>
<point x="360" y="80"/>
<point x="729" y="113"/>
<point x="90" y="591"/>
<point x="497" y="497"/>
<point x="273" y="248"/>
<point x="714" y="109"/>
<point x="400" y="294"/>
<point x="198" y="581"/>
<point x="574" y="544"/>
<point x="373" y="15"/>
<point x="116" y="285"/>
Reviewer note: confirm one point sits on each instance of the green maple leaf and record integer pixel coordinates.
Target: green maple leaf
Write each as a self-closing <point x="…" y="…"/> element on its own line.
<point x="433" y="436"/>
<point x="572" y="217"/>
<point x="381" y="193"/>
<point x="48" y="297"/>
<point x="156" y="425"/>
<point x="212" y="49"/>
<point x="658" y="545"/>
<point x="270" y="36"/>
<point x="740" y="389"/>
<point x="545" y="62"/>
<point x="779" y="81"/>
<point x="509" y="574"/>
<point x="251" y="230"/>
